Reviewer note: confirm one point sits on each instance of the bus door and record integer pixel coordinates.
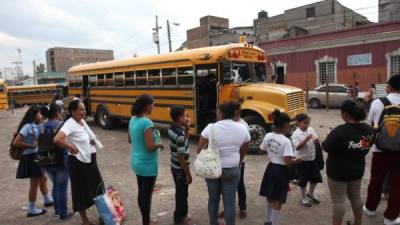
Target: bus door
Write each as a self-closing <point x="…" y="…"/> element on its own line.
<point x="86" y="92"/>
<point x="206" y="95"/>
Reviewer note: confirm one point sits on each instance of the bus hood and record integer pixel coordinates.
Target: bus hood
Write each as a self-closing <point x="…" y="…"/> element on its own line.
<point x="269" y="88"/>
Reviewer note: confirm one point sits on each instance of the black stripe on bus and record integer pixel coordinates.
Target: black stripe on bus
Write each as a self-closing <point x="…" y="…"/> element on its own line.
<point x="143" y="89"/>
<point x="130" y="103"/>
<point x="135" y="96"/>
<point x="142" y="64"/>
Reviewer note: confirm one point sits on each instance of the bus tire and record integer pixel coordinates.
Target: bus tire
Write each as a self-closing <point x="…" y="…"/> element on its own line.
<point x="104" y="119"/>
<point x="258" y="129"/>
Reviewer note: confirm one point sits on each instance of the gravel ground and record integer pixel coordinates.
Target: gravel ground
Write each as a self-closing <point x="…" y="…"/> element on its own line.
<point x="114" y="163"/>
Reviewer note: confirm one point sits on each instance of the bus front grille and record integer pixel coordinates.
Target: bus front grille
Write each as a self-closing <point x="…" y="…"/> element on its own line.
<point x="295" y="101"/>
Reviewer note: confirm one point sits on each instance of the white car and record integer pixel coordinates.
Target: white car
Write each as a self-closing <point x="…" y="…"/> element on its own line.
<point x="337" y="94"/>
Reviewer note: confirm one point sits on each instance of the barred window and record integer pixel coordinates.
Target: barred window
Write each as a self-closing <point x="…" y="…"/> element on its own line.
<point x="326" y="70"/>
<point x="394" y="65"/>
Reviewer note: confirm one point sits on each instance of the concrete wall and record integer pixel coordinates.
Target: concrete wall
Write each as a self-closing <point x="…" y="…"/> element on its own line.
<point x="330" y="15"/>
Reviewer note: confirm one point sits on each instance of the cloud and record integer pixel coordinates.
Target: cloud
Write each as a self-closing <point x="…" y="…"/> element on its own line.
<point x="124" y="26"/>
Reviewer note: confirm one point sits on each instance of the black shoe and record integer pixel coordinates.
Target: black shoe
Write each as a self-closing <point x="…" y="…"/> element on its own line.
<point x="50" y="204"/>
<point x="315" y="200"/>
<point x="67" y="217"/>
<point x="36" y="214"/>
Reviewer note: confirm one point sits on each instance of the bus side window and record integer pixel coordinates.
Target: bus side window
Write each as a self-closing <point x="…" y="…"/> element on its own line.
<point x="119" y="79"/>
<point x="185" y="76"/>
<point x="78" y="81"/>
<point x="169" y="77"/>
<point x="130" y="78"/>
<point x="93" y="80"/>
<point x="154" y="77"/>
<point x="71" y="81"/>
<point x="109" y="79"/>
<point x="100" y="80"/>
<point x="141" y="79"/>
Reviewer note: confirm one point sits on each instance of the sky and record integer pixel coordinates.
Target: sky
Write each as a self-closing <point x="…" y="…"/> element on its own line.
<point x="124" y="26"/>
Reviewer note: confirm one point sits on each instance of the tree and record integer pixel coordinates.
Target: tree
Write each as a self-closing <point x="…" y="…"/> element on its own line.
<point x="40" y="68"/>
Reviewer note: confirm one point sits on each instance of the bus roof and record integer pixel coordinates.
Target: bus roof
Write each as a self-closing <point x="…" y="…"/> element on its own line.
<point x="191" y="55"/>
<point x="31" y="87"/>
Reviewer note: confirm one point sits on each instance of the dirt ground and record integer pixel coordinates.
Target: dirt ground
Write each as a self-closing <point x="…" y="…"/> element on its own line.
<point x="114" y="163"/>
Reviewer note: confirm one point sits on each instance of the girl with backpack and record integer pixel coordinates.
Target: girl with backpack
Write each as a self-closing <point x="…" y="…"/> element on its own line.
<point x="58" y="172"/>
<point x="26" y="139"/>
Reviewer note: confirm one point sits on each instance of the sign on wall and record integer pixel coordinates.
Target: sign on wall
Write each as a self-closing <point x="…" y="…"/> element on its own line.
<point x="359" y="60"/>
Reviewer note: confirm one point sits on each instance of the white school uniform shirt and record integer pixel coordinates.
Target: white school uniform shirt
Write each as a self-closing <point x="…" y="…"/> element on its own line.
<point x="307" y="152"/>
<point x="229" y="137"/>
<point x="277" y="147"/>
<point x="376" y="110"/>
<point x="80" y="136"/>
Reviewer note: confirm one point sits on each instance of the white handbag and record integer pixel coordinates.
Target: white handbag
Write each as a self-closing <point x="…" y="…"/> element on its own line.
<point x="208" y="164"/>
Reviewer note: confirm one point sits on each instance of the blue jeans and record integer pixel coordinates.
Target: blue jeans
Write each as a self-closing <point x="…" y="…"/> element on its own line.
<point x="227" y="186"/>
<point x="59" y="177"/>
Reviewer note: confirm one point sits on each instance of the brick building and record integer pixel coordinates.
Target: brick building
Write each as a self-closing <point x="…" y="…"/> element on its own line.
<point x="368" y="54"/>
<point x="214" y="31"/>
<point x="61" y="59"/>
<point x="318" y="17"/>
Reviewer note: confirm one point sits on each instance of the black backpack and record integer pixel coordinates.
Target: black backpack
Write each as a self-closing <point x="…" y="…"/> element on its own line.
<point x="388" y="133"/>
<point x="49" y="154"/>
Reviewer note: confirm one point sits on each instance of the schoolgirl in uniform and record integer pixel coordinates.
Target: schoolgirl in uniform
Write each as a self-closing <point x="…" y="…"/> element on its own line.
<point x="304" y="139"/>
<point x="276" y="178"/>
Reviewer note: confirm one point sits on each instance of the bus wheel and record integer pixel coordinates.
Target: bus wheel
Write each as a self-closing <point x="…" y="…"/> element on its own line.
<point x="104" y="118"/>
<point x="258" y="129"/>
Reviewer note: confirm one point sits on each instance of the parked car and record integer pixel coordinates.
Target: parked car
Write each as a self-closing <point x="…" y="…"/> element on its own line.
<point x="337" y="94"/>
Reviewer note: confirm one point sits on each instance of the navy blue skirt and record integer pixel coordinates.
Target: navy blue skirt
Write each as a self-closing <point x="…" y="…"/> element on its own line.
<point x="28" y="168"/>
<point x="275" y="182"/>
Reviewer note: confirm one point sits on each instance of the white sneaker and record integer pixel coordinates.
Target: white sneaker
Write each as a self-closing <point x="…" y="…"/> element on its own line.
<point x="391" y="222"/>
<point x="368" y="212"/>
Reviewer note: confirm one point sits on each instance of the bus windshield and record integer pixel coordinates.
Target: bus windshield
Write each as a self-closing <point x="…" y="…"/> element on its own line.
<point x="242" y="72"/>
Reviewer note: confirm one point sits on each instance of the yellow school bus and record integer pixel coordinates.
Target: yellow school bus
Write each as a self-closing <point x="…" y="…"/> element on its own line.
<point x="197" y="79"/>
<point x="3" y="96"/>
<point x="33" y="94"/>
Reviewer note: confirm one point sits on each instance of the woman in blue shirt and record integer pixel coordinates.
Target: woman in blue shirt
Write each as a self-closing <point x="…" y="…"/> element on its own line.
<point x="144" y="154"/>
<point x="26" y="139"/>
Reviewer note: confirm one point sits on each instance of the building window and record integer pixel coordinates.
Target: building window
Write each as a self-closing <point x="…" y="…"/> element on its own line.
<point x="326" y="70"/>
<point x="310" y="12"/>
<point x="393" y="63"/>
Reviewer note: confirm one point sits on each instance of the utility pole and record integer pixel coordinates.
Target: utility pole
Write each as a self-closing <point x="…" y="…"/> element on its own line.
<point x="156" y="36"/>
<point x="169" y="36"/>
<point x="34" y="72"/>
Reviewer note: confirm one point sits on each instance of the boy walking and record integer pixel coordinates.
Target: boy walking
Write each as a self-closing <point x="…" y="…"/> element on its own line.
<point x="178" y="135"/>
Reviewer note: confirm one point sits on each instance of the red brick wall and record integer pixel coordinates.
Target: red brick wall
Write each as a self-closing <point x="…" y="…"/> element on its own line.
<point x="301" y="63"/>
